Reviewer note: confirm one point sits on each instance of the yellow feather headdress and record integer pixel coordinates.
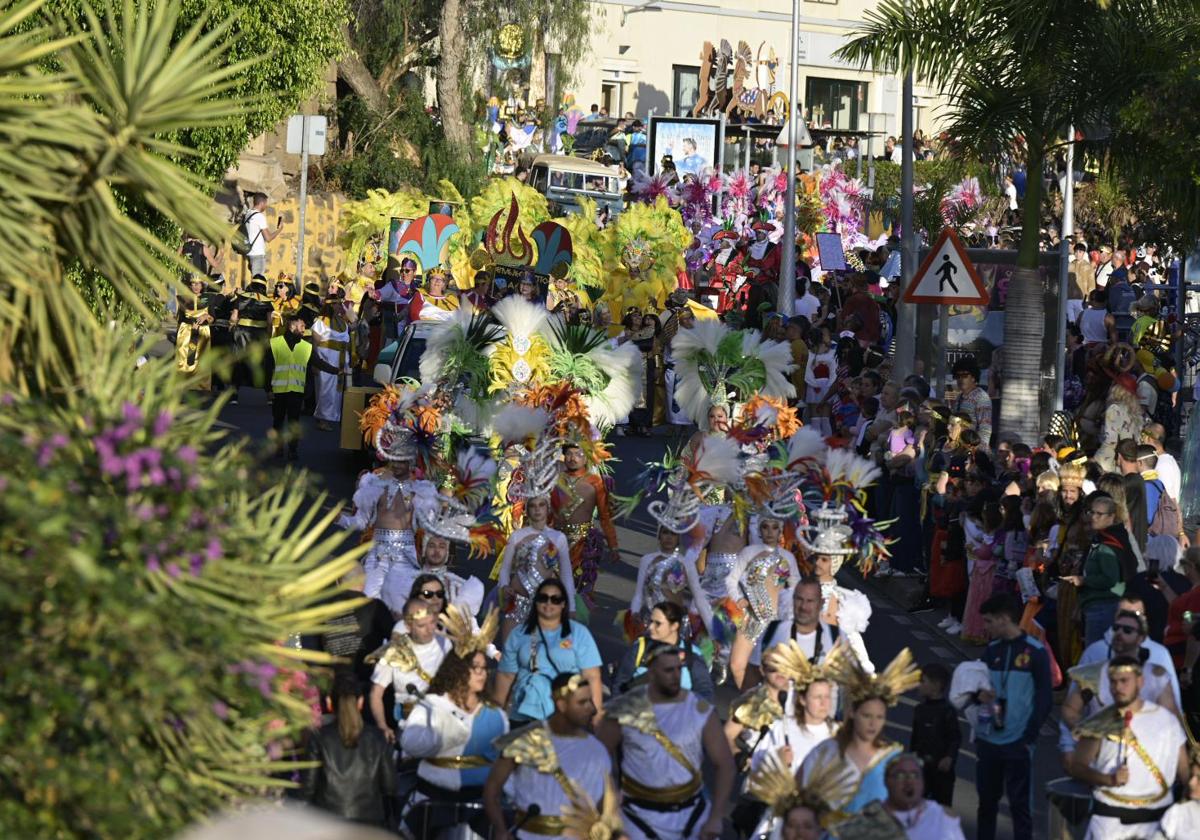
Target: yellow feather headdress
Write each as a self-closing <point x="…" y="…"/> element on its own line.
<point x="458" y="626"/>
<point x="899" y="676"/>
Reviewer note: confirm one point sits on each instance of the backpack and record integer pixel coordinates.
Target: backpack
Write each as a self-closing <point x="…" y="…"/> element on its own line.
<point x="1167" y="519"/>
<point x="241" y="241"/>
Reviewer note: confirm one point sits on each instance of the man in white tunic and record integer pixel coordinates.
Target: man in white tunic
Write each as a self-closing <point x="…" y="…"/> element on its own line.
<point x="407" y="663"/>
<point x="921" y="818"/>
<point x="1131" y="753"/>
<point x="664" y="734"/>
<point x="539" y="762"/>
<point x="331" y="342"/>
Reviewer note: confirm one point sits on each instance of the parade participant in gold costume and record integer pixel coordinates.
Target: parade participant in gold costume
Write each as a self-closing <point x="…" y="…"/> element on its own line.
<point x="194" y="334"/>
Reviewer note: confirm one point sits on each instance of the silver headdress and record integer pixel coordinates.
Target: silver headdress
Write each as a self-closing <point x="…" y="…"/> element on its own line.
<point x="713" y="463"/>
<point x="680" y="512"/>
<point x="537" y="472"/>
<point x="396" y="442"/>
<point x="831" y="536"/>
<point x="450" y="520"/>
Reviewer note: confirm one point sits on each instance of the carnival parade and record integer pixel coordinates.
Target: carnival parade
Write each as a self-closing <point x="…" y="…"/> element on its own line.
<point x="596" y="419"/>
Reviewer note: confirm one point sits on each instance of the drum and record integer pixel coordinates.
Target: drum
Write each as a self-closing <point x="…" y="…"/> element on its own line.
<point x="438" y="814"/>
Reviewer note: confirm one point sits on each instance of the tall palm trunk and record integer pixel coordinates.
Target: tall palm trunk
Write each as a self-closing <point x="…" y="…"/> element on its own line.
<point x="1020" y="395"/>
<point x="449" y="76"/>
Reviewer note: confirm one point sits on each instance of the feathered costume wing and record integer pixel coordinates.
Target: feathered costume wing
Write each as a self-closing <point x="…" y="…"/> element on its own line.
<point x="714" y="364"/>
<point x="457" y="357"/>
<point x="523" y="356"/>
<point x="609" y="378"/>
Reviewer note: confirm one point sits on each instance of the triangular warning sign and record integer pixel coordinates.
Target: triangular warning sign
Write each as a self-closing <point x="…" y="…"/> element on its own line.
<point x="947" y="275"/>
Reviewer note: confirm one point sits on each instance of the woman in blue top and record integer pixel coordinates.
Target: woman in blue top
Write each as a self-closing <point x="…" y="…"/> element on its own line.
<point x="548" y="644"/>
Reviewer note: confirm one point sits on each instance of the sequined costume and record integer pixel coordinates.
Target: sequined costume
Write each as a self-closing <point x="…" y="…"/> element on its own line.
<point x="390" y="546"/>
<point x="531" y="556"/>
<point x="758" y="577"/>
<point x="667" y="577"/>
<point x="588" y="540"/>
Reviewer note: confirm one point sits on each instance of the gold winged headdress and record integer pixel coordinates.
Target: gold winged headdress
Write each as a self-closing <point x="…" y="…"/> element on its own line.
<point x="827" y="789"/>
<point x="899" y="676"/>
<point x="459" y="627"/>
<point x="788" y="659"/>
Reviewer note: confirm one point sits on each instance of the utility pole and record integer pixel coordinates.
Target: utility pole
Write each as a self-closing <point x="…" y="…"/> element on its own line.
<point x="906" y="314"/>
<point x="1064" y="264"/>
<point x="786" y="295"/>
<point x="303" y="202"/>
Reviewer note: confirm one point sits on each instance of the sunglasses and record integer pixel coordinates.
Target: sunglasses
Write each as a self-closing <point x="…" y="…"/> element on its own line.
<point x="433" y="593"/>
<point x="1126" y="629"/>
<point x="557" y="600"/>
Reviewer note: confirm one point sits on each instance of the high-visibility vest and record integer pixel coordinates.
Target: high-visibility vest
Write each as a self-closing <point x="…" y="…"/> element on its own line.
<point x="290" y="365"/>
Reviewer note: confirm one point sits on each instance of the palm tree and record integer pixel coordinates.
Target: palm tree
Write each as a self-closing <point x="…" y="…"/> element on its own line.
<point x="149" y="572"/>
<point x="1020" y="73"/>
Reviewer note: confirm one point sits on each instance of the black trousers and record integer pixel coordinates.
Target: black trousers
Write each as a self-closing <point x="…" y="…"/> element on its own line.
<point x="939" y="786"/>
<point x="285" y="418"/>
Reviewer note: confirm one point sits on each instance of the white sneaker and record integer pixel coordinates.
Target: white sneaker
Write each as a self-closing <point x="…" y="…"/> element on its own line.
<point x="954" y="629"/>
<point x="946" y="622"/>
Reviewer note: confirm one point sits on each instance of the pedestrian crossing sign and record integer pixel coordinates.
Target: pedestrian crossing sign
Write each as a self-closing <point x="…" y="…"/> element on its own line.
<point x="947" y="276"/>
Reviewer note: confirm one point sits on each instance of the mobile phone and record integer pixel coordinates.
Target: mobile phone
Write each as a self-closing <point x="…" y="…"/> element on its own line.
<point x="1188" y="616"/>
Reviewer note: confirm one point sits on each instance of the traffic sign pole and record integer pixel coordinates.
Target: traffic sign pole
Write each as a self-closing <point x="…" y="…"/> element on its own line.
<point x="299" y="284"/>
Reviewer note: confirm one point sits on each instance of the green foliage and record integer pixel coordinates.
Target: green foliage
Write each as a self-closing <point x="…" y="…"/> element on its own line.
<point x="405" y="149"/>
<point x="151" y="571"/>
<point x="1019" y="73"/>
<point x="1152" y="147"/>
<point x="279" y="50"/>
<point x="149" y="582"/>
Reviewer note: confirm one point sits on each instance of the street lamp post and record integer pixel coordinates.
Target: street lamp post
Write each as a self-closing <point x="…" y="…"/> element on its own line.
<point x="1068" y="227"/>
<point x="906" y="326"/>
<point x="786" y="295"/>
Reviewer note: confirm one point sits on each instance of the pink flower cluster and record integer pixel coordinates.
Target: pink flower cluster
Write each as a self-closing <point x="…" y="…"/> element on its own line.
<point x="963" y="201"/>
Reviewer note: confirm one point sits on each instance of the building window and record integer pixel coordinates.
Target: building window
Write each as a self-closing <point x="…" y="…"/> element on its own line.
<point x="687" y="89"/>
<point x="835" y="103"/>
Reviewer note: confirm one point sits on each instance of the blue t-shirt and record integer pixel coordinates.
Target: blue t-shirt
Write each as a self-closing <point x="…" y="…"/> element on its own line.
<point x="555" y="655"/>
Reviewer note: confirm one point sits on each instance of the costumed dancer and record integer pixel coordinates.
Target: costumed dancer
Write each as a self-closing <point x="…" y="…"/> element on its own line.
<point x="1131" y="753"/>
<point x="811" y="692"/>
<point x="284" y="303"/>
<point x="787" y="729"/>
<point x="583" y="512"/>
<point x="664" y="734"/>
<point x="763" y="573"/>
<point x="546" y="762"/>
<point x="847" y="609"/>
<point x="331" y="339"/>
<point x="455" y="518"/>
<point x="453" y="730"/>
<point x="670" y="573"/>
<point x="194" y="334"/>
<point x="718" y="370"/>
<point x="406" y="664"/>
<point x="251" y="322"/>
<point x="386" y="499"/>
<point x="801" y="812"/>
<point x="534" y="552"/>
<point x="860" y="742"/>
